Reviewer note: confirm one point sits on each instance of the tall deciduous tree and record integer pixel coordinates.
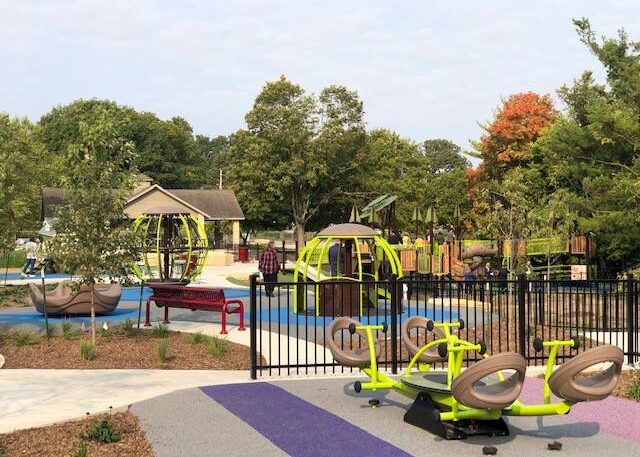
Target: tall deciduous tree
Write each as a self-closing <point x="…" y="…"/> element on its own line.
<point x="297" y="152"/>
<point x="93" y="238"/>
<point x="516" y="126"/>
<point x="166" y="149"/>
<point x="21" y="174"/>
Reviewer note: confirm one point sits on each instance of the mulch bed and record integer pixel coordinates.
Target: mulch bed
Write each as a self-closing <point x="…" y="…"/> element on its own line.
<point x="116" y="350"/>
<point x="17" y="296"/>
<point x="64" y="438"/>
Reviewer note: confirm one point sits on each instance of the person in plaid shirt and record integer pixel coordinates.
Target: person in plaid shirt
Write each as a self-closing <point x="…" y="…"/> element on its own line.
<point x="269" y="265"/>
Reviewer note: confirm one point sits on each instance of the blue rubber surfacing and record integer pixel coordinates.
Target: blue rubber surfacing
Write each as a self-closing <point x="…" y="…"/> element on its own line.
<point x="296" y="426"/>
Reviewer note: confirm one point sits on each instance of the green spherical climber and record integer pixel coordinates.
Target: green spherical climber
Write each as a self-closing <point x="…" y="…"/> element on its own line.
<point x="174" y="247"/>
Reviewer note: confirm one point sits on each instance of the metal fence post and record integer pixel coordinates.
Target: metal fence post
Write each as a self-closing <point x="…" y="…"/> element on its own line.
<point x="284" y="255"/>
<point x="393" y="283"/>
<point x="253" y="326"/>
<point x="522" y="314"/>
<point x="631" y="330"/>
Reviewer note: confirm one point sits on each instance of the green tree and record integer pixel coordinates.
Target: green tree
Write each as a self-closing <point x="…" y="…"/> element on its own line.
<point x="298" y="151"/>
<point x="21" y="174"/>
<point x="166" y="150"/>
<point x="443" y="156"/>
<point x="590" y="154"/>
<point x="93" y="238"/>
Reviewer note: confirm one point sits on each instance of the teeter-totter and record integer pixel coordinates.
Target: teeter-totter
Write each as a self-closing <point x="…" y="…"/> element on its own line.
<point x="456" y="403"/>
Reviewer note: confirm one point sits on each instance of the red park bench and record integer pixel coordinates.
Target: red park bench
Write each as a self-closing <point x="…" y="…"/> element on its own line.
<point x="200" y="298"/>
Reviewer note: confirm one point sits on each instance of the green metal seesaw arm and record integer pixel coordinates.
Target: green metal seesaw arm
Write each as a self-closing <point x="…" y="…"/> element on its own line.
<point x="546" y="408"/>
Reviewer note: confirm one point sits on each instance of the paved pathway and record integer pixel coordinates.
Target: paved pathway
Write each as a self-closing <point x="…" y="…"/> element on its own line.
<point x="309" y="418"/>
<point x="30" y="398"/>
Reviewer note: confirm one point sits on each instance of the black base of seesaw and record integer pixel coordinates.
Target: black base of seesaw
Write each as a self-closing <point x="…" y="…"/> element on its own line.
<point x="424" y="414"/>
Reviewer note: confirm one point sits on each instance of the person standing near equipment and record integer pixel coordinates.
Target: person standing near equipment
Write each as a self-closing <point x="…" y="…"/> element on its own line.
<point x="336" y="258"/>
<point x="269" y="266"/>
<point x="31" y="248"/>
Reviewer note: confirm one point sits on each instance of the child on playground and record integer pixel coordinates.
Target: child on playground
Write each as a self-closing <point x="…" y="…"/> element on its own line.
<point x="31" y="248"/>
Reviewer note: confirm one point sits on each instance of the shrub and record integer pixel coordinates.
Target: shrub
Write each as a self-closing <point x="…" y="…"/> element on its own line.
<point x="81" y="450"/>
<point x="129" y="328"/>
<point x="633" y="390"/>
<point x="197" y="338"/>
<point x="87" y="350"/>
<point x="25" y="338"/>
<point x="163" y="350"/>
<point x="67" y="329"/>
<point x="51" y="329"/>
<point x="216" y="347"/>
<point x="103" y="432"/>
<point x="160" y="330"/>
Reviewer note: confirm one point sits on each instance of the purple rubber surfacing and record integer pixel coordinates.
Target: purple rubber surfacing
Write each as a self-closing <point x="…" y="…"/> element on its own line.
<point x="615" y="416"/>
<point x="296" y="426"/>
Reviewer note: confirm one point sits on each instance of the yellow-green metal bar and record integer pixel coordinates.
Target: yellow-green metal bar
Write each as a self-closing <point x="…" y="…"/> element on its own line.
<point x="551" y="361"/>
<point x="202" y="231"/>
<point x="359" y="255"/>
<point x="305" y="257"/>
<point x="160" y="273"/>
<point x="319" y="271"/>
<point x="188" y="259"/>
<point x="421" y="351"/>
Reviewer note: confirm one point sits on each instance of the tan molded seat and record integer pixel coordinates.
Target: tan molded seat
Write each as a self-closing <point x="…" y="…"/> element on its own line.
<point x="431" y="354"/>
<point x="67" y="300"/>
<point x="570" y="383"/>
<point x="357" y="357"/>
<point x="470" y="389"/>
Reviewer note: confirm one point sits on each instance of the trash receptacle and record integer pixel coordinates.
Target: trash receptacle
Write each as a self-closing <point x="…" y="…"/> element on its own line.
<point x="243" y="253"/>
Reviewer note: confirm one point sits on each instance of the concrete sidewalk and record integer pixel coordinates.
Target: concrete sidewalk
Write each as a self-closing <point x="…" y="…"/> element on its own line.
<point x="32" y="398"/>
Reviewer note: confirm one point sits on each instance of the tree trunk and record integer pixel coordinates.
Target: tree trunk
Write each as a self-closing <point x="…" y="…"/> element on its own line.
<point x="300" y="231"/>
<point x="93" y="315"/>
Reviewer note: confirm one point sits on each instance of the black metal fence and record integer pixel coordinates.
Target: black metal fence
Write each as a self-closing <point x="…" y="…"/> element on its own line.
<point x="289" y="320"/>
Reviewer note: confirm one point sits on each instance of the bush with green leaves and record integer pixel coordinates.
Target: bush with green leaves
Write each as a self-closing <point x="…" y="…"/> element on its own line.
<point x="25" y="338"/>
<point x="102" y="431"/>
<point x="67" y="329"/>
<point x="129" y="329"/>
<point x="160" y="330"/>
<point x="633" y="390"/>
<point x="196" y="338"/>
<point x="87" y="350"/>
<point x="216" y="347"/>
<point x="163" y="350"/>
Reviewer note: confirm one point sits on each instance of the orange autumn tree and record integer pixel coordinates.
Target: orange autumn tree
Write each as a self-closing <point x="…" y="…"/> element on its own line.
<point x="516" y="126"/>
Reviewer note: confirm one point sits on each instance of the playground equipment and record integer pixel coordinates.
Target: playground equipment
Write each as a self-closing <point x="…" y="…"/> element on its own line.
<point x="174" y="246"/>
<point x="65" y="300"/>
<point x="456" y="404"/>
<point x="359" y="258"/>
<point x="450" y="259"/>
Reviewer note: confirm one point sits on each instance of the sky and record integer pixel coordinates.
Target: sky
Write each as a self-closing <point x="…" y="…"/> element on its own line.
<point x="426" y="69"/>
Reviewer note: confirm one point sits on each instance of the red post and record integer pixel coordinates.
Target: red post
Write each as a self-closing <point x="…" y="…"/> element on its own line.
<point x="241" y="311"/>
<point x="224" y="320"/>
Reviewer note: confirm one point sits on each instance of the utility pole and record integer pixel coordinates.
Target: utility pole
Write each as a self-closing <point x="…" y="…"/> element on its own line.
<point x="220" y="184"/>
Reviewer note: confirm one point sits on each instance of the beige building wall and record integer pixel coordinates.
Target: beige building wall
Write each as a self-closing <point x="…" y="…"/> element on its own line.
<point x="236" y="233"/>
<point x="151" y="201"/>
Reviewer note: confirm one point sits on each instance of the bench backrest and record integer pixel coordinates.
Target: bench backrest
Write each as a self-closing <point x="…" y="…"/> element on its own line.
<point x="175" y="292"/>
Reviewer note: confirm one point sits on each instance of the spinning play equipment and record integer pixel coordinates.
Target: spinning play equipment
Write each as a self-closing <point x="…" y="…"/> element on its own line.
<point x="174" y="246"/>
<point x="456" y="404"/>
<point x="70" y="301"/>
<point x="363" y="257"/>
